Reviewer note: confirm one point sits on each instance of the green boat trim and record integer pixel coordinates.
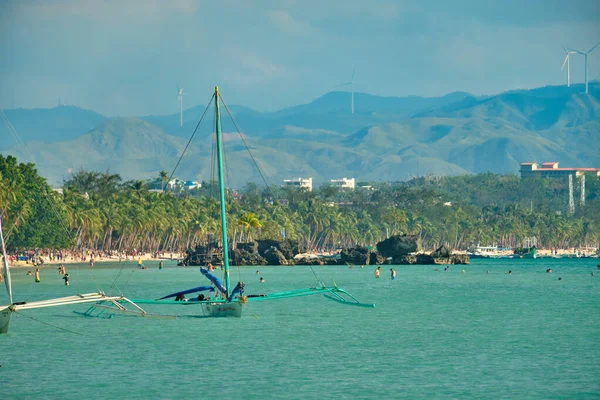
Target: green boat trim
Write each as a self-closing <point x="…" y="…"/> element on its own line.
<point x="333" y="293"/>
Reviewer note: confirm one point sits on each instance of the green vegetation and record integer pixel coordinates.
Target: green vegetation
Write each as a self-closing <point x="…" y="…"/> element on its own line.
<point x="99" y="210"/>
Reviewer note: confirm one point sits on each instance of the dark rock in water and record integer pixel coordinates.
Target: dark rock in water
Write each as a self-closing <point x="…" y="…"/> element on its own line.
<point x="250" y="247"/>
<point x="289" y="248"/>
<point x="356" y="255"/>
<point x="311" y="261"/>
<point x="442" y="252"/>
<point x="275" y="257"/>
<point x="426" y="259"/>
<point x="376" y="259"/>
<point x="460" y="259"/>
<point x="398" y="246"/>
<point x="242" y="257"/>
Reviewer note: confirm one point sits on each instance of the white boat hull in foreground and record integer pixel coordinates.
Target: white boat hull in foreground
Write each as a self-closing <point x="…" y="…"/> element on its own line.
<point x="233" y="309"/>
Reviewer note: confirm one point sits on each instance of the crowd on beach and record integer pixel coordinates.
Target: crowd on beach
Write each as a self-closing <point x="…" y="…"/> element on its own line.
<point x="39" y="258"/>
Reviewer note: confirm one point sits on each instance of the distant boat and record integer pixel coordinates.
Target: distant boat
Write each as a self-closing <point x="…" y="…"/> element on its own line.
<point x="488" y="252"/>
<point x="530" y="252"/>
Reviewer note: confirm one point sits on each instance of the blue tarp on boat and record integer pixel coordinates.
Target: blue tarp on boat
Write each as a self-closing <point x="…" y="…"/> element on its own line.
<point x="214" y="280"/>
<point x="239" y="288"/>
<point x="194" y="290"/>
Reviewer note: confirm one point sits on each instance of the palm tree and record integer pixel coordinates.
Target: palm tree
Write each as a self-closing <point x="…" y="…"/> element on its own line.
<point x="164" y="177"/>
<point x="248" y="221"/>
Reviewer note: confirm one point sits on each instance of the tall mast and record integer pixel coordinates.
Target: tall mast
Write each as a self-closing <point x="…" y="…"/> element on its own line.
<point x="6" y="267"/>
<point x="222" y="190"/>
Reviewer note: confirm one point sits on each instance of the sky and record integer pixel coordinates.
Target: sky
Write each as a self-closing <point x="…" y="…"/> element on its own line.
<point x="127" y="57"/>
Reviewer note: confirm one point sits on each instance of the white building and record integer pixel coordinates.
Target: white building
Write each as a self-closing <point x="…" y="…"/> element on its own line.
<point x="305" y="183"/>
<point x="343" y="183"/>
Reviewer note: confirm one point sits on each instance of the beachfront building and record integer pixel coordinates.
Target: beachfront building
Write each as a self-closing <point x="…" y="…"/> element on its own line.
<point x="174" y="185"/>
<point x="551" y="170"/>
<point x="305" y="183"/>
<point x="343" y="183"/>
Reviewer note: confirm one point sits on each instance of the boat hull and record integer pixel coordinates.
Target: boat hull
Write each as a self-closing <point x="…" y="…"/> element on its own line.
<point x="5" y="315"/>
<point x="218" y="310"/>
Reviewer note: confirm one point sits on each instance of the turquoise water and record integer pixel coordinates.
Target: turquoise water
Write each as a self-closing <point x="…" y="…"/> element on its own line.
<point x="433" y="334"/>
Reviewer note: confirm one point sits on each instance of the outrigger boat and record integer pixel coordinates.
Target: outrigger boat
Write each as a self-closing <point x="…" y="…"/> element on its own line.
<point x="228" y="302"/>
<point x="117" y="304"/>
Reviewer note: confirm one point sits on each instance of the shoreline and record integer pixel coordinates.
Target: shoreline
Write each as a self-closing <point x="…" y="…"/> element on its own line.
<point x="103" y="260"/>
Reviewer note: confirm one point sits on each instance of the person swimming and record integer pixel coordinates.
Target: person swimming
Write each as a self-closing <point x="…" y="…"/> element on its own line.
<point x="377" y="272"/>
<point x="66" y="278"/>
<point x="392" y="274"/>
<point x="262" y="280"/>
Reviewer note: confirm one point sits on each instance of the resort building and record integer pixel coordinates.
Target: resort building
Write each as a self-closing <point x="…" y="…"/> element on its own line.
<point x="551" y="170"/>
<point x="343" y="183"/>
<point x="174" y="185"/>
<point x="305" y="183"/>
<point x="189" y="185"/>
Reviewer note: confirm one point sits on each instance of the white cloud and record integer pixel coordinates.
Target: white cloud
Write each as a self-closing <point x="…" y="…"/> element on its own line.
<point x="284" y="22"/>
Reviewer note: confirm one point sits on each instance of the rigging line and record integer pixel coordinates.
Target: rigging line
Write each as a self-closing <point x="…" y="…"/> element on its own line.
<point x="192" y="137"/>
<point x="11" y="128"/>
<point x="44" y="192"/>
<point x="246" y="145"/>
<point x="117" y="278"/>
<point x="46" y="323"/>
<point x="315" y="274"/>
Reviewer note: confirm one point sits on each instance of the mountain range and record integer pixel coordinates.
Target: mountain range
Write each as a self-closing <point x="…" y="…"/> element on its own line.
<point x="387" y="138"/>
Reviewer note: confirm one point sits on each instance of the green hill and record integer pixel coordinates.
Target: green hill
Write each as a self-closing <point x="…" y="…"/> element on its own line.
<point x="386" y="139"/>
<point x="51" y="124"/>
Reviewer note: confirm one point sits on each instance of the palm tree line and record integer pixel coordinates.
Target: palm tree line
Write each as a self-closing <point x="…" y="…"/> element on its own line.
<point x="101" y="211"/>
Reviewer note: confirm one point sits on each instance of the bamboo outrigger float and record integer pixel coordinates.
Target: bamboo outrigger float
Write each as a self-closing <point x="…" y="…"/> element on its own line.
<point x="117" y="303"/>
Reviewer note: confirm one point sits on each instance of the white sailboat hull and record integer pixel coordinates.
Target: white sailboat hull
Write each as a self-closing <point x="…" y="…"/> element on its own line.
<point x="233" y="309"/>
<point x="5" y="314"/>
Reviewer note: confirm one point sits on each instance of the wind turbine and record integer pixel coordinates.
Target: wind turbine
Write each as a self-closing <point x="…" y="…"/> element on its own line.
<point x="568" y="62"/>
<point x="351" y="83"/>
<point x="586" y="63"/>
<point x="180" y="99"/>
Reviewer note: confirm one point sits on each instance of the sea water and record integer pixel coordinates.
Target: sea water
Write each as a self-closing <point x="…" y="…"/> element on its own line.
<point x="433" y="334"/>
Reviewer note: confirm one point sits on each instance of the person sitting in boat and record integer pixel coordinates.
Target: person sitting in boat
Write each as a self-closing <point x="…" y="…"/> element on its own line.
<point x="180" y="297"/>
<point x="201" y="297"/>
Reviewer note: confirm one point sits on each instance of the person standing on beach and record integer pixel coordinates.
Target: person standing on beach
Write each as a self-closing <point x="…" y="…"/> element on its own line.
<point x="37" y="275"/>
<point x="377" y="271"/>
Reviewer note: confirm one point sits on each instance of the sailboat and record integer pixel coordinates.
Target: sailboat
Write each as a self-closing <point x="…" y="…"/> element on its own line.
<point x="228" y="301"/>
<point x="116" y="303"/>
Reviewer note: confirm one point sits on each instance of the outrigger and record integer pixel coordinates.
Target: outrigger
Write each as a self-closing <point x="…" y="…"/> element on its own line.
<point x="228" y="302"/>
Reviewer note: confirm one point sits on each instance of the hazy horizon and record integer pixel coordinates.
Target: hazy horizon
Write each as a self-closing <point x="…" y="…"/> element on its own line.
<point x="126" y="59"/>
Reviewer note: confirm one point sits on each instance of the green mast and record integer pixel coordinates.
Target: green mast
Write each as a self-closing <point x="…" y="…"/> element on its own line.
<point x="222" y="191"/>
